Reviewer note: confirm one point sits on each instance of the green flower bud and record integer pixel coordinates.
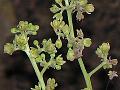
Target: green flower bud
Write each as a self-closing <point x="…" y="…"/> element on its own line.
<point x="54" y="8"/>
<point x="99" y="53"/>
<point x="55" y="24"/>
<point x="44" y="42"/>
<point x="58" y="16"/>
<point x="51" y="84"/>
<point x="36" y="27"/>
<point x="83" y="2"/>
<point x="43" y="56"/>
<point x="48" y="46"/>
<point x="58" y="43"/>
<point x="105" y="47"/>
<point x="58" y="67"/>
<point x="87" y="42"/>
<point x="58" y="1"/>
<point x="20" y="41"/>
<point x="51" y="49"/>
<point x="14" y="30"/>
<point x="62" y="25"/>
<point x="59" y="60"/>
<point x="70" y="55"/>
<point x="9" y="48"/>
<point x="23" y="25"/>
<point x="34" y="52"/>
<point x="103" y="50"/>
<point x="89" y="8"/>
<point x="36" y="43"/>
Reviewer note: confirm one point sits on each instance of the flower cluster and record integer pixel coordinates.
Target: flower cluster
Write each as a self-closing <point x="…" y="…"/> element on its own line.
<point x="103" y="52"/>
<point x="38" y="53"/>
<point x="25" y="27"/>
<point x="51" y="84"/>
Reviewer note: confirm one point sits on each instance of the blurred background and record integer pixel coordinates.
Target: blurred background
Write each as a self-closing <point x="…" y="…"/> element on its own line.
<point x="16" y="72"/>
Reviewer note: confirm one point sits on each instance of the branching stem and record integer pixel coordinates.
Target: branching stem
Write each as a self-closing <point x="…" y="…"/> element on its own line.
<point x="39" y="75"/>
<point x="69" y="13"/>
<point x="97" y="68"/>
<point x="46" y="67"/>
<point x="86" y="75"/>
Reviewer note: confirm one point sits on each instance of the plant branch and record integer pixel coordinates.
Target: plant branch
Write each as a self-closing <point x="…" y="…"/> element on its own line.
<point x="69" y="13"/>
<point x="46" y="67"/>
<point x="96" y="69"/>
<point x="39" y="75"/>
<point x="86" y="75"/>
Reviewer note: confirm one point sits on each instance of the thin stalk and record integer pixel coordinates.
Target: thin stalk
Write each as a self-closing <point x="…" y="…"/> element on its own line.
<point x="45" y="68"/>
<point x="96" y="69"/>
<point x="86" y="75"/>
<point x="39" y="75"/>
<point x="69" y="14"/>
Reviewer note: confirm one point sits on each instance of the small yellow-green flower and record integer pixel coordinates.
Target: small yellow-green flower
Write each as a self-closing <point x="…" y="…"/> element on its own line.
<point x="9" y="48"/>
<point x="89" y="8"/>
<point x="87" y="42"/>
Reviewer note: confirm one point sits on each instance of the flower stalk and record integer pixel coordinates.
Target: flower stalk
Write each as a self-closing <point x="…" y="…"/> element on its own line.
<point x="86" y="75"/>
<point x="36" y="69"/>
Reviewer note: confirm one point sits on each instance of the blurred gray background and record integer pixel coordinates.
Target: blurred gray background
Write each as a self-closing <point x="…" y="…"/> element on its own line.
<point x="16" y="72"/>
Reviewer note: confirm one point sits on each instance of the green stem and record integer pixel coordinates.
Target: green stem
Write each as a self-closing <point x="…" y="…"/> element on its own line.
<point x="39" y="75"/>
<point x="86" y="75"/>
<point x="69" y="13"/>
<point x="96" y="69"/>
<point x="46" y="67"/>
